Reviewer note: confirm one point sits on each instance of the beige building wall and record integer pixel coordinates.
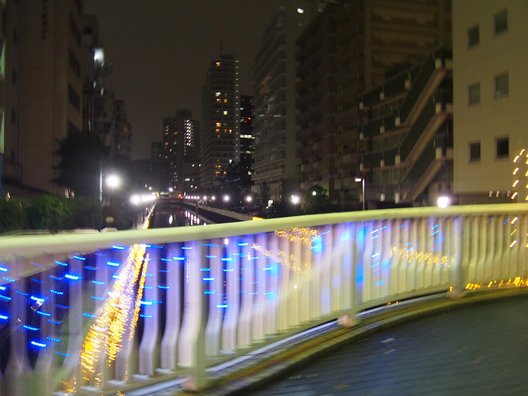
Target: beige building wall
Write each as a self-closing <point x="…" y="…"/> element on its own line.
<point x="50" y="88"/>
<point x="493" y="118"/>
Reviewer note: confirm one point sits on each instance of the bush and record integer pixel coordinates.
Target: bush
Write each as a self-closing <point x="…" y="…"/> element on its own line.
<point x="48" y="212"/>
<point x="12" y="215"/>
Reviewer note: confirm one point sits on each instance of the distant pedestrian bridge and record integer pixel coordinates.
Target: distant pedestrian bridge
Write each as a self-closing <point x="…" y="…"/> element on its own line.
<point x="114" y="312"/>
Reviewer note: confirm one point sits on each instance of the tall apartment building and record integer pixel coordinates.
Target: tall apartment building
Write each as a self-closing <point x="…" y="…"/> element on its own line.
<point x="490" y="118"/>
<point x="274" y="80"/>
<point x="406" y="135"/>
<point x="4" y="32"/>
<point x="348" y="48"/>
<point x="247" y="140"/>
<point x="42" y="90"/>
<point x="179" y="150"/>
<point x="220" y="134"/>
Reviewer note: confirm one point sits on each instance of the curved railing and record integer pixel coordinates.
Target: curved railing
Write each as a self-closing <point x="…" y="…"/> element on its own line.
<point x="105" y="312"/>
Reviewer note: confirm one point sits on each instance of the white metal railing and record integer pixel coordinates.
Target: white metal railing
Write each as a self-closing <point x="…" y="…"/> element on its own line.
<point x="111" y="311"/>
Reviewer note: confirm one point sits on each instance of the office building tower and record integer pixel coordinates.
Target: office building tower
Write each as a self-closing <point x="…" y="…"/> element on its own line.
<point x="179" y="150"/>
<point x="220" y="134"/>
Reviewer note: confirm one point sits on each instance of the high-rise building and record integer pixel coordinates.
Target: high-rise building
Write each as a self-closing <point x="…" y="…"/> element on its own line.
<point x="179" y="150"/>
<point x="348" y="48"/>
<point x="274" y="80"/>
<point x="42" y="43"/>
<point x="220" y="134"/>
<point x="247" y="141"/>
<point x="490" y="118"/>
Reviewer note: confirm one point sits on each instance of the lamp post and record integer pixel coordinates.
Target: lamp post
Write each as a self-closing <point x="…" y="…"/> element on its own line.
<point x="362" y="181"/>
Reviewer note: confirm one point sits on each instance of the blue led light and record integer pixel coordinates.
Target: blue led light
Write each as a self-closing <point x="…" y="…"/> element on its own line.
<point x="43" y="313"/>
<point x="53" y="339"/>
<point x="243" y="244"/>
<point x="79" y="258"/>
<point x="205" y="269"/>
<point x="97" y="298"/>
<point x="30" y="328"/>
<point x="56" y="292"/>
<point x="113" y="263"/>
<point x="179" y="258"/>
<point x="37" y="299"/>
<point x="8" y="279"/>
<point x="62" y="354"/>
<point x="163" y="287"/>
<point x="228" y="270"/>
<point x="2" y="288"/>
<point x="222" y="306"/>
<point x="209" y="292"/>
<point x="72" y="276"/>
<point x="22" y="293"/>
<point x="57" y="278"/>
<point x="208" y="279"/>
<point x="118" y="247"/>
<point x="4" y="317"/>
<point x="4" y="269"/>
<point x="89" y="315"/>
<point x="226" y="259"/>
<point x="55" y="322"/>
<point x="145" y="316"/>
<point x="39" y="344"/>
<point x="62" y="306"/>
<point x="115" y="276"/>
<point x="98" y="282"/>
<point x="61" y="263"/>
<point x="166" y="259"/>
<point x="90" y="268"/>
<point x="186" y="247"/>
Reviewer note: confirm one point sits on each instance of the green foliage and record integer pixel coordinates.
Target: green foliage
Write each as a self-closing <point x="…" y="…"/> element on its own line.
<point x="81" y="157"/>
<point x="12" y="215"/>
<point x="49" y="213"/>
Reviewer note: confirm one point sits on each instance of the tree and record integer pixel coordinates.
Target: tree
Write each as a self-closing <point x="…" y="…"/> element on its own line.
<point x="81" y="157"/>
<point x="316" y="200"/>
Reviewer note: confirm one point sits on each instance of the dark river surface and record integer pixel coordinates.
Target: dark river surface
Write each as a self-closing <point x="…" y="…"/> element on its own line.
<point x="170" y="214"/>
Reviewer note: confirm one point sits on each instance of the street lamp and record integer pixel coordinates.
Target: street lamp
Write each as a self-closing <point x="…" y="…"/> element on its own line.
<point x="362" y="181"/>
<point x="112" y="181"/>
<point x="295" y="199"/>
<point x="443" y="201"/>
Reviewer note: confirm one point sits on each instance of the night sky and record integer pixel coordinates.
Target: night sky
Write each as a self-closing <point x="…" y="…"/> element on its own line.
<point x="160" y="51"/>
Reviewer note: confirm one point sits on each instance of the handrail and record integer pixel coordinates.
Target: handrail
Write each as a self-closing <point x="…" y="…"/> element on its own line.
<point x="207" y="294"/>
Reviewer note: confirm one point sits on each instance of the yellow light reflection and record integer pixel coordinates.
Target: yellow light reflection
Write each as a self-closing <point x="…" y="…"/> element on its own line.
<point x="105" y="336"/>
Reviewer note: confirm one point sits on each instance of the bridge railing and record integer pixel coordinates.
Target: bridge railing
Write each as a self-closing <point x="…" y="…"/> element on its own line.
<point x="95" y="313"/>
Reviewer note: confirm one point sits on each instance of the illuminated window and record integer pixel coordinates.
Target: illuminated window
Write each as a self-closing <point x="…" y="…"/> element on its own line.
<point x="218" y="64"/>
<point x="473" y="36"/>
<point x="218" y="93"/>
<point x="218" y="124"/>
<point x="225" y="112"/>
<point x="218" y="100"/>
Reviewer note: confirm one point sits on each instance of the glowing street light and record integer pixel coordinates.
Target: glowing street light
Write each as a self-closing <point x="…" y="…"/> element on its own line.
<point x="113" y="181"/>
<point x="443" y="201"/>
<point x="248" y="198"/>
<point x="226" y="198"/>
<point x="295" y="199"/>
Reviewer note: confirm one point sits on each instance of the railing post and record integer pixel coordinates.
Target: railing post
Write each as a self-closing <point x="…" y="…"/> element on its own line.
<point x="353" y="270"/>
<point x="191" y="351"/>
<point x="460" y="239"/>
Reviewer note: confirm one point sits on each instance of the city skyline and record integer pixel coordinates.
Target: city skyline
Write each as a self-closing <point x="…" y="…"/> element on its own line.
<point x="155" y="82"/>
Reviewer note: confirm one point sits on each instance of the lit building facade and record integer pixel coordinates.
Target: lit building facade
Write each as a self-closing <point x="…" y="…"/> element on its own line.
<point x="179" y="151"/>
<point x="42" y="43"/>
<point x="274" y="79"/>
<point x="347" y="49"/>
<point x="220" y="133"/>
<point x="490" y="62"/>
<point x="247" y="141"/>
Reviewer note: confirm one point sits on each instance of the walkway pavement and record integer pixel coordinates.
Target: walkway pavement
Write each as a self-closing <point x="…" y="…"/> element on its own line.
<point x="478" y="349"/>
